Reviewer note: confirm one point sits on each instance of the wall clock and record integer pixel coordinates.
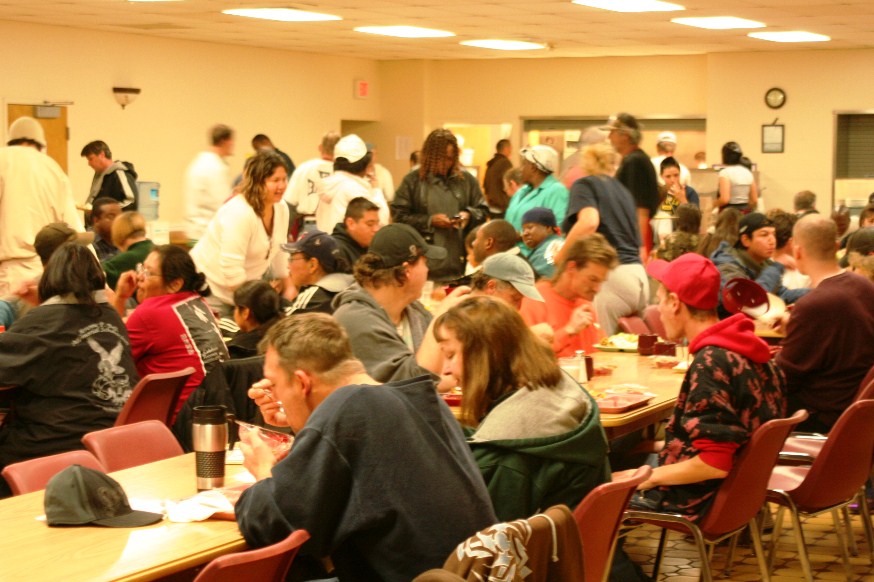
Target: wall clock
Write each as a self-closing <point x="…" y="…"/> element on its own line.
<point x="775" y="98"/>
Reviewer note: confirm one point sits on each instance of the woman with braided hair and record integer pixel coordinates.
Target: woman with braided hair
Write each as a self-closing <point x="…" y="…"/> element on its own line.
<point x="442" y="201"/>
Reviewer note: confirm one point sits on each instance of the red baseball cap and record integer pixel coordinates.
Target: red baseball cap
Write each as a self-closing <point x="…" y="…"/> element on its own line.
<point x="694" y="278"/>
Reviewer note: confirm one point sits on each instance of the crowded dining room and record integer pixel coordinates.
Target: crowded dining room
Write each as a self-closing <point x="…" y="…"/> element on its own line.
<point x="572" y="290"/>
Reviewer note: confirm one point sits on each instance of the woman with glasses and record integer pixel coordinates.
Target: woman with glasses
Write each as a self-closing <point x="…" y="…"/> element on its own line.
<point x="242" y="241"/>
<point x="172" y="327"/>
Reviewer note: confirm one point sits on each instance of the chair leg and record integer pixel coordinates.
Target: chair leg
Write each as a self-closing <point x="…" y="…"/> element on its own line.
<point x="658" y="560"/>
<point x="865" y="516"/>
<point x="851" y="536"/>
<point x="845" y="554"/>
<point x="775" y="536"/>
<point x="706" y="576"/>
<point x="729" y="559"/>
<point x="758" y="549"/>
<point x="802" y="545"/>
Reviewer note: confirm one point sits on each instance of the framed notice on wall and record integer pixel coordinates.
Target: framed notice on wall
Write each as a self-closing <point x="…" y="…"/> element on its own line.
<point x="772" y="139"/>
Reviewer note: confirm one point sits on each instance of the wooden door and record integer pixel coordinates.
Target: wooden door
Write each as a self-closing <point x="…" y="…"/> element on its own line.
<point x="55" y="128"/>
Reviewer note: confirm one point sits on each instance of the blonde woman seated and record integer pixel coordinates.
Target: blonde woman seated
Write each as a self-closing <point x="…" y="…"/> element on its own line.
<point x="534" y="431"/>
<point x="129" y="235"/>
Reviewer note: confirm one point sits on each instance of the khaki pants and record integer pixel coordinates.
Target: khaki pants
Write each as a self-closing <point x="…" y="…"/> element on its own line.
<point x="13" y="272"/>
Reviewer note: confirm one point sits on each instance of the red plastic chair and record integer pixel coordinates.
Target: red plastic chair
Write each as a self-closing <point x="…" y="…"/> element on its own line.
<point x="633" y="324"/>
<point x="654" y="321"/>
<point x="269" y="564"/>
<point x="34" y="474"/>
<point x="738" y="501"/>
<point x="598" y="517"/>
<point x="802" y="448"/>
<point x="154" y="398"/>
<point x="831" y="482"/>
<point x="129" y="445"/>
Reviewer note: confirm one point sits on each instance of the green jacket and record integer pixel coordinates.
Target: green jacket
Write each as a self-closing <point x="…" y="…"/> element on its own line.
<point x="538" y="448"/>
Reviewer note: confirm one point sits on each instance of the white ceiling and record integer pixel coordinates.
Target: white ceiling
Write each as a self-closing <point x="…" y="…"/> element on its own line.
<point x="569" y="29"/>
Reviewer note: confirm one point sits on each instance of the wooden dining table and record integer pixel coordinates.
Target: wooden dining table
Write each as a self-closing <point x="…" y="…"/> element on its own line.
<point x="31" y="550"/>
<point x="631" y="368"/>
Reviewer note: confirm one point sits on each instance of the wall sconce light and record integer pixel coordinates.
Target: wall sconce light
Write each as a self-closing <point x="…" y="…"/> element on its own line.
<point x="125" y="95"/>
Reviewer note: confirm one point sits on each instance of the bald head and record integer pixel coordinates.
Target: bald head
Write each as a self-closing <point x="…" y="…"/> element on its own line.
<point x="816" y="235"/>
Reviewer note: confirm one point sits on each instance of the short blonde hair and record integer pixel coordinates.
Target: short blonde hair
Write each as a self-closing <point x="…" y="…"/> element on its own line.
<point x="599" y="159"/>
<point x="127" y="225"/>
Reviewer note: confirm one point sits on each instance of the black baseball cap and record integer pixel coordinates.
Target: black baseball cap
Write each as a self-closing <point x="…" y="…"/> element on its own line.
<point x="398" y="243"/>
<point x="862" y="242"/>
<point x="749" y="224"/>
<point x="318" y="245"/>
<point x="82" y="496"/>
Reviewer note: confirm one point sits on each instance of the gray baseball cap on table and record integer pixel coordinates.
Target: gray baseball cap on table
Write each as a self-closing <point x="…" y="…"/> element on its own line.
<point x="82" y="496"/>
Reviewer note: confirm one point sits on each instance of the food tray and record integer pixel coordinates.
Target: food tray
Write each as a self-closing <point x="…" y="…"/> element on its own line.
<point x="619" y="403"/>
<point x="452" y="399"/>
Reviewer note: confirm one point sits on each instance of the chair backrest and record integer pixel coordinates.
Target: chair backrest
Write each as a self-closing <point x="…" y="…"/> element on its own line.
<point x="633" y="324"/>
<point x="129" y="445"/>
<point x="742" y="493"/>
<point x="34" y="474"/>
<point x="866" y="388"/>
<point x="654" y="321"/>
<point x="154" y="398"/>
<point x="844" y="462"/>
<point x="268" y="564"/>
<point x="598" y="517"/>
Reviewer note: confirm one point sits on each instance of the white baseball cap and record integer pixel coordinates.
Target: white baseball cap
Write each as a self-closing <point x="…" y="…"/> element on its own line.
<point x="350" y="147"/>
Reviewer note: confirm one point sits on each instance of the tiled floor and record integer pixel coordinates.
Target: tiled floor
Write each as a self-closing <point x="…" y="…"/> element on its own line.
<point x="680" y="563"/>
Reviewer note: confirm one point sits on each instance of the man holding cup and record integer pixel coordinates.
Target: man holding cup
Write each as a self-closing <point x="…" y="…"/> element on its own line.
<point x="380" y="510"/>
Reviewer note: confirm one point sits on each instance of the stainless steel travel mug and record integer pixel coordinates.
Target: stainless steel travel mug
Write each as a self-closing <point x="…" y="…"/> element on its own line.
<point x="210" y="439"/>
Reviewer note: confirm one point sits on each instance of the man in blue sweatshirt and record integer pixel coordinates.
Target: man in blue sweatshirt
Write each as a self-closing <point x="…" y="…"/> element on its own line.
<point x="380" y="474"/>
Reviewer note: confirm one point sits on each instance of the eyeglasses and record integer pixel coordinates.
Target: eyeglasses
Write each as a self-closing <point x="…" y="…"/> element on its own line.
<point x="298" y="256"/>
<point x="144" y="272"/>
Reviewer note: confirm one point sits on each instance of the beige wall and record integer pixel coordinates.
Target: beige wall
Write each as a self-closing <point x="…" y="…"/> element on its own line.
<point x="186" y="87"/>
<point x="295" y="97"/>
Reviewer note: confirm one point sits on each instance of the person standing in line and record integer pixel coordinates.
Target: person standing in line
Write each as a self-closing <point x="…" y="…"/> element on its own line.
<point x="541" y="188"/>
<point x="34" y="192"/>
<point x="208" y="182"/>
<point x="493" y="182"/>
<point x="635" y="173"/>
<point x="116" y="180"/>
<point x="442" y="202"/>
<point x="302" y="193"/>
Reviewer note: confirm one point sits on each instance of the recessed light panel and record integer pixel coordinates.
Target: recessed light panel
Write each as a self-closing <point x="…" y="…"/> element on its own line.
<point x="790" y="36"/>
<point x="503" y="45"/>
<point x="281" y="14"/>
<point x="405" y="31"/>
<point x="719" y="22"/>
<point x="631" y="5"/>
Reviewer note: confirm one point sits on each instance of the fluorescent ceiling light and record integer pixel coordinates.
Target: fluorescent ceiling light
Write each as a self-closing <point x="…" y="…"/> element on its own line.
<point x="281" y="14"/>
<point x="504" y="45"/>
<point x="719" y="22"/>
<point x="405" y="31"/>
<point x="790" y="36"/>
<point x="631" y="5"/>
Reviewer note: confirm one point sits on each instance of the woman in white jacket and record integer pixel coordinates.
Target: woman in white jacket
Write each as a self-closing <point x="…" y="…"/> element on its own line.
<point x="349" y="180"/>
<point x="242" y="241"/>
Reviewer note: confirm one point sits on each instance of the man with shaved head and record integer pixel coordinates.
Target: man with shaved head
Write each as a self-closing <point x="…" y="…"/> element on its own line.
<point x="829" y="345"/>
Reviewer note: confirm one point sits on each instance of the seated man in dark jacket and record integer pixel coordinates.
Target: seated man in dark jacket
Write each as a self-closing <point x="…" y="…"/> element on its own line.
<point x="750" y="258"/>
<point x="380" y="510"/>
<point x="354" y="234"/>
